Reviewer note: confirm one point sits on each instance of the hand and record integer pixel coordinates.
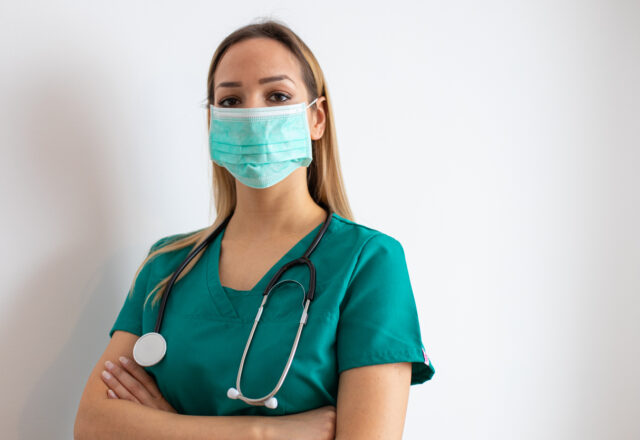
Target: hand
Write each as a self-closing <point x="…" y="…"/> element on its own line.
<point x="129" y="381"/>
<point x="317" y="424"/>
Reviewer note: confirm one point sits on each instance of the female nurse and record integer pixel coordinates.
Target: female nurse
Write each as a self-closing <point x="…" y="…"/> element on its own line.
<point x="276" y="182"/>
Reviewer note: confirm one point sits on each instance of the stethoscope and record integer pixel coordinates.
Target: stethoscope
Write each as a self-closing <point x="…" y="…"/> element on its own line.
<point x="151" y="347"/>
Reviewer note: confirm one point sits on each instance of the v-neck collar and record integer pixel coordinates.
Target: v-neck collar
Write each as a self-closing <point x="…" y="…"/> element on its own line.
<point x="219" y="295"/>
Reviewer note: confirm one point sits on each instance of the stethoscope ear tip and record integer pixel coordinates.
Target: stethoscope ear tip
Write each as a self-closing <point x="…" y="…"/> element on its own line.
<point x="232" y="393"/>
<point x="271" y="403"/>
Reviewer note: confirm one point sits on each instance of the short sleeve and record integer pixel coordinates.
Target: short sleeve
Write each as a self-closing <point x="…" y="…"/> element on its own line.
<point x="130" y="317"/>
<point x="378" y="321"/>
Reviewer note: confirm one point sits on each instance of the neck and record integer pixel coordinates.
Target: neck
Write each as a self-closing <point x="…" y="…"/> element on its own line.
<point x="285" y="208"/>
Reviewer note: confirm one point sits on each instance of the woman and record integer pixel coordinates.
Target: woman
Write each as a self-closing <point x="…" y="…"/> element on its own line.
<point x="277" y="184"/>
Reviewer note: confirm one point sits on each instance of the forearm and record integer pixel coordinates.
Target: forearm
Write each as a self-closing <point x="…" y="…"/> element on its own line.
<point x="121" y="419"/>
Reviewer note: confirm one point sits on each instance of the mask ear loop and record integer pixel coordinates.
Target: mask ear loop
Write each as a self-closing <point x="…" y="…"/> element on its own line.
<point x="204" y="104"/>
<point x="311" y="103"/>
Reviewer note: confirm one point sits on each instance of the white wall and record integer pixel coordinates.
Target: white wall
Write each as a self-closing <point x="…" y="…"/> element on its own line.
<point x="498" y="141"/>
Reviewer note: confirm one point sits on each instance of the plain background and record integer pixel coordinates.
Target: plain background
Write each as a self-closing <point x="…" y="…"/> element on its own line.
<point x="497" y="141"/>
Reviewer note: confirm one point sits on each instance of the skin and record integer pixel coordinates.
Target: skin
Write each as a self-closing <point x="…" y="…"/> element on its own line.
<point x="372" y="400"/>
<point x="266" y="222"/>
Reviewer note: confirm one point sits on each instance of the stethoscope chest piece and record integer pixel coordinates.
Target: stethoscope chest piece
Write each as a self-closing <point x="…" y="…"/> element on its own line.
<point x="149" y="349"/>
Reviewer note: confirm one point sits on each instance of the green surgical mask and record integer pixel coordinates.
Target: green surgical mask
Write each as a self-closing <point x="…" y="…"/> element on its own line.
<point x="260" y="146"/>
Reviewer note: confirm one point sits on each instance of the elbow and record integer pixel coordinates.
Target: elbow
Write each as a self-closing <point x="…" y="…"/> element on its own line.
<point x="80" y="426"/>
<point x="84" y="425"/>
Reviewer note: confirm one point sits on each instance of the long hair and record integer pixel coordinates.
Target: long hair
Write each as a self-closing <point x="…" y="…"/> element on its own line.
<point x="324" y="175"/>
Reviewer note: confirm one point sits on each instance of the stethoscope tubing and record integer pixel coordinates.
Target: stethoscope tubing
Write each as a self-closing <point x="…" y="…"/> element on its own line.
<point x="303" y="321"/>
<point x="177" y="273"/>
<point x="269" y="399"/>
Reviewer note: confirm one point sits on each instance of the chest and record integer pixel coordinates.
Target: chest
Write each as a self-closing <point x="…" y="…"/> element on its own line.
<point x="207" y="329"/>
<point x="205" y="347"/>
<point x="243" y="264"/>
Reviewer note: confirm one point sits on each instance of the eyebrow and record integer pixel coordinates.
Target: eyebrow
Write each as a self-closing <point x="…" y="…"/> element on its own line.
<point x="260" y="81"/>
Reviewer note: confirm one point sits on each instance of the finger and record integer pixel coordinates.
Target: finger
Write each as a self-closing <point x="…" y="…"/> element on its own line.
<point x="129" y="382"/>
<point x="111" y="394"/>
<point x="112" y="382"/>
<point x="141" y="375"/>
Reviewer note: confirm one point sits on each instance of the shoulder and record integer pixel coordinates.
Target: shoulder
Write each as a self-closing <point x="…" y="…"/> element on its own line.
<point x="165" y="260"/>
<point x="168" y="239"/>
<point x="378" y="265"/>
<point x="360" y="235"/>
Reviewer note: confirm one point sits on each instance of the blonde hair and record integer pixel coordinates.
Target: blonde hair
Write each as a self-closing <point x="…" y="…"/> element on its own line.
<point x="324" y="176"/>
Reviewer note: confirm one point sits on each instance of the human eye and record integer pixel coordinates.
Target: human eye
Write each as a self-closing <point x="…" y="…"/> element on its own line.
<point x="280" y="94"/>
<point x="222" y="101"/>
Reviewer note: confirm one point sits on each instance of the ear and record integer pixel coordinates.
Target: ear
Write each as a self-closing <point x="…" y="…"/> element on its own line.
<point x="318" y="119"/>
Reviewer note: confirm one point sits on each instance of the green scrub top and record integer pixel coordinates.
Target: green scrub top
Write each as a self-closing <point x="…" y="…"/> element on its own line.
<point x="363" y="313"/>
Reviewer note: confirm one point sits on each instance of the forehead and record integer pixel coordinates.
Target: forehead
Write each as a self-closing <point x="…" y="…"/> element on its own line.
<point x="256" y="58"/>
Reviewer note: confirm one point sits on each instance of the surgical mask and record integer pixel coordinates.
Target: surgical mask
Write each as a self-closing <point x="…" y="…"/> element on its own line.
<point x="260" y="146"/>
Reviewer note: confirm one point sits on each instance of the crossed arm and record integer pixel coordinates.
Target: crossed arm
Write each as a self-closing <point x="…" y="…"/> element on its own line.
<point x="371" y="404"/>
